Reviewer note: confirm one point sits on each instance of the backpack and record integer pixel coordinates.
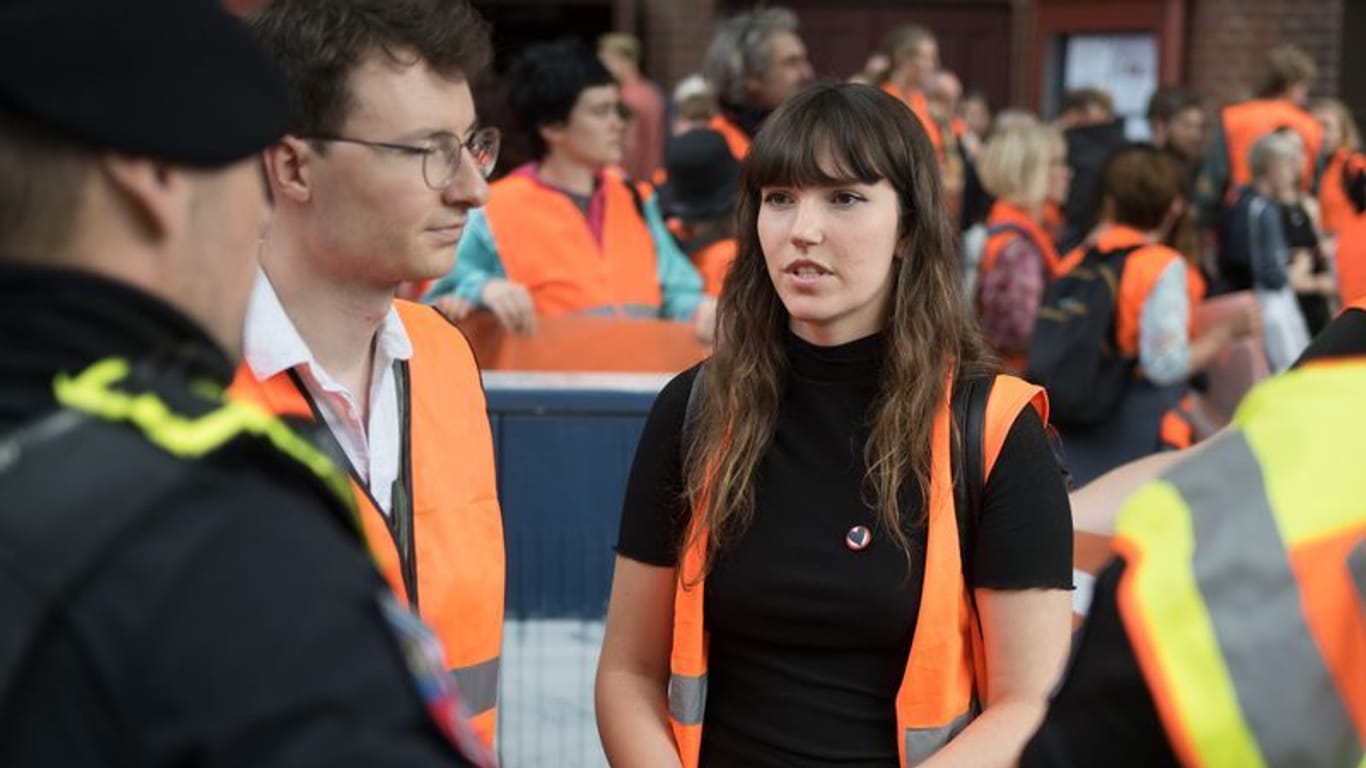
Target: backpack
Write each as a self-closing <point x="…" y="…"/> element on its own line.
<point x="973" y="250"/>
<point x="1073" y="352"/>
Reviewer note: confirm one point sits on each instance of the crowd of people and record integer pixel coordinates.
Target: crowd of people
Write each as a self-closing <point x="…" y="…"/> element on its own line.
<point x="1256" y="200"/>
<point x="253" y="515"/>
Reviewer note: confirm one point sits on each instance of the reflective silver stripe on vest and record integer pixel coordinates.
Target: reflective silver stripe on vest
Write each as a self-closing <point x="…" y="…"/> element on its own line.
<point x="922" y="743"/>
<point x="687" y="699"/>
<point x="1242" y="570"/>
<point x="622" y="310"/>
<point x="478" y="684"/>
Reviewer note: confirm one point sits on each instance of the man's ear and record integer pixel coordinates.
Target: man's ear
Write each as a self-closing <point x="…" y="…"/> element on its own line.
<point x="289" y="169"/>
<point x="157" y="195"/>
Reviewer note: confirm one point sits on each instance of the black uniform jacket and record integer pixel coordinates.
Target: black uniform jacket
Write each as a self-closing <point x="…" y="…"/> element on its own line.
<point x="240" y="623"/>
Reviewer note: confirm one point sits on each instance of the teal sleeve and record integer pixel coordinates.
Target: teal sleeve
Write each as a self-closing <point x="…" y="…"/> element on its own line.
<point x="1212" y="185"/>
<point x="476" y="262"/>
<point x="679" y="283"/>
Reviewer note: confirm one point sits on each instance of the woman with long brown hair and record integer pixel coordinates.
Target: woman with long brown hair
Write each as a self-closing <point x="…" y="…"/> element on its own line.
<point x="790" y="588"/>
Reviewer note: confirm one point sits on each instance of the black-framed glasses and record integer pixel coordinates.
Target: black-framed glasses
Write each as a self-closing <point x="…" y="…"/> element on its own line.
<point x="441" y="156"/>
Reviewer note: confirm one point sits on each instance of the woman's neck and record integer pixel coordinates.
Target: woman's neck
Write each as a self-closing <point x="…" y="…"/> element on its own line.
<point x="567" y="174"/>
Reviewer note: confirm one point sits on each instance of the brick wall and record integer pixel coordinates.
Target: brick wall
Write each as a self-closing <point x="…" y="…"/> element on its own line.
<point x="675" y="35"/>
<point x="1226" y="39"/>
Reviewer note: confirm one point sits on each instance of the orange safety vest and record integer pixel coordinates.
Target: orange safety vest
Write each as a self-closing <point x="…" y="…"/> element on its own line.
<point x="1351" y="260"/>
<point x="945" y="672"/>
<point x="1013" y="222"/>
<point x="1247" y="122"/>
<point x="1141" y="271"/>
<point x="545" y="244"/>
<point x="735" y="136"/>
<point x="1244" y="590"/>
<point x="456" y="578"/>
<point x="713" y="263"/>
<point x="1003" y="213"/>
<point x="1335" y="208"/>
<point x="915" y="99"/>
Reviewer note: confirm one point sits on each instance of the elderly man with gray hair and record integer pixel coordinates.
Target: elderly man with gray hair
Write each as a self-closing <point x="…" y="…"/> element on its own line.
<point x="755" y="61"/>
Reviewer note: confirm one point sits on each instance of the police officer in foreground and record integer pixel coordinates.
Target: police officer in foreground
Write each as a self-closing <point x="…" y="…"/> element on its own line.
<point x="181" y="580"/>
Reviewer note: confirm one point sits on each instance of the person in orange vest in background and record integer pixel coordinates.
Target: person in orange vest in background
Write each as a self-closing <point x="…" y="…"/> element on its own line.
<point x="1341" y="164"/>
<point x="1156" y="295"/>
<point x="647" y="128"/>
<point x="568" y="234"/>
<point x="1288" y="74"/>
<point x="1022" y="168"/>
<point x="1342" y="196"/>
<point x="942" y="95"/>
<point x="913" y="52"/>
<point x="704" y="181"/>
<point x="791" y="587"/>
<point x="1231" y="631"/>
<point x="383" y="162"/>
<point x="755" y="61"/>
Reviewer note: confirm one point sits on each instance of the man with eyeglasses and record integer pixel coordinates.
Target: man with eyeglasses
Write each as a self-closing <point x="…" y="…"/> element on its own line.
<point x="568" y="234"/>
<point x="372" y="185"/>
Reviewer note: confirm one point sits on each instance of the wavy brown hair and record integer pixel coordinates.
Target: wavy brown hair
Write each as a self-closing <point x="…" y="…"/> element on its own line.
<point x="827" y="135"/>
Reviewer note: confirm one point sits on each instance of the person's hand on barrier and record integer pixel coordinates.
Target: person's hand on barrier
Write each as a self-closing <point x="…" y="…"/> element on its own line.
<point x="454" y="308"/>
<point x="511" y="303"/>
<point x="704" y="321"/>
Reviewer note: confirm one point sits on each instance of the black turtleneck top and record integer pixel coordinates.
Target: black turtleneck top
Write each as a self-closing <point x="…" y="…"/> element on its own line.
<point x="808" y="639"/>
<point x="239" y="623"/>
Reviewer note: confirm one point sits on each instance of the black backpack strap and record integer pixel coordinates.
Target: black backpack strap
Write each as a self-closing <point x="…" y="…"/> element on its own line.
<point x="968" y="462"/>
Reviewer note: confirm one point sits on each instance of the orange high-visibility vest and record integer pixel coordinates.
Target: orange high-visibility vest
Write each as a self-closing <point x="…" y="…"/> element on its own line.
<point x="1003" y="213"/>
<point x="545" y="244"/>
<point x="1142" y="269"/>
<point x="1336" y="210"/>
<point x="915" y="99"/>
<point x="1005" y="222"/>
<point x="713" y="263"/>
<point x="1244" y="589"/>
<point x="945" y="673"/>
<point x="1247" y="122"/>
<point x="456" y="577"/>
<point x="735" y="136"/>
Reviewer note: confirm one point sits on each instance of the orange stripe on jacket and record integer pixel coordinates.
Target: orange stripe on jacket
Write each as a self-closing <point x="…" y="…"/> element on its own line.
<point x="945" y="676"/>
<point x="458" y="527"/>
<point x="545" y="244"/>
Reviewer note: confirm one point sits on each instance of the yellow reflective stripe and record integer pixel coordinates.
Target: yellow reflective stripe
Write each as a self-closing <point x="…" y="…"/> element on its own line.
<point x="92" y="392"/>
<point x="1311" y="467"/>
<point x="1179" y="626"/>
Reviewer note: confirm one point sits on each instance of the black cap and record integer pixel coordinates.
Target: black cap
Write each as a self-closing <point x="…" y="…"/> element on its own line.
<point x="703" y="176"/>
<point x="177" y="80"/>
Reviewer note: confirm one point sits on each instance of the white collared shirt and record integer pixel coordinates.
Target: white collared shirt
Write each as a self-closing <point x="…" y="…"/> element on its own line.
<point x="272" y="345"/>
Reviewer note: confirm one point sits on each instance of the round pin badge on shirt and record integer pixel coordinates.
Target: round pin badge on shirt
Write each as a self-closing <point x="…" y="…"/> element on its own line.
<point x="858" y="538"/>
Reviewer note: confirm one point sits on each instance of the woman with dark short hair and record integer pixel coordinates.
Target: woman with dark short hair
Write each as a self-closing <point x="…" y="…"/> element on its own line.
<point x="790" y="588"/>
